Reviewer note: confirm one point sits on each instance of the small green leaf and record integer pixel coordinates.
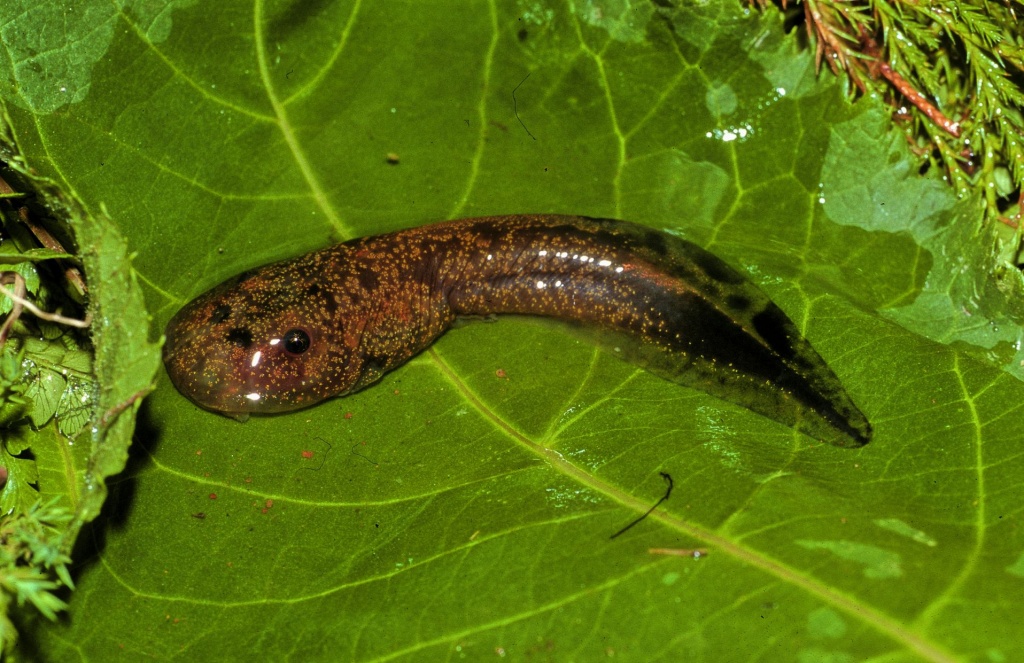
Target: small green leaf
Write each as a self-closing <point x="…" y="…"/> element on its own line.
<point x="18" y="492"/>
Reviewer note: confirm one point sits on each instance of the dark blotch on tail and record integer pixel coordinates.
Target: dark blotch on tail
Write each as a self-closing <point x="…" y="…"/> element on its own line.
<point x="776" y="329"/>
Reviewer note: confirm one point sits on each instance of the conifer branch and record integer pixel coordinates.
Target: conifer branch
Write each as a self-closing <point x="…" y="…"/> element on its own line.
<point x="953" y="71"/>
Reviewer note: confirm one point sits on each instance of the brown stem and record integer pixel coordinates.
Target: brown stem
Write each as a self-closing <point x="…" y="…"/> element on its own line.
<point x="916" y="98"/>
<point x="110" y="415"/>
<point x="1014" y="221"/>
<point x="16" y="306"/>
<point x="71" y="273"/>
<point x="833" y="42"/>
<point x="820" y="31"/>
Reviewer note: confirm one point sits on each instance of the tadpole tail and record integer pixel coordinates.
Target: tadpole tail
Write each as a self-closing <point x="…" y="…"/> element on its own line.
<point x="670" y="306"/>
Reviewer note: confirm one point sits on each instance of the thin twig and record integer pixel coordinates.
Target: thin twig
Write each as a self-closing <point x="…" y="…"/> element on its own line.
<point x="18" y="297"/>
<point x="515" y="106"/>
<point x="668" y="493"/>
<point x="695" y="553"/>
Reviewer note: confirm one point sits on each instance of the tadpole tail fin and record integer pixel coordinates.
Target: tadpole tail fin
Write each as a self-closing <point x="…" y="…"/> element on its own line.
<point x="765" y="366"/>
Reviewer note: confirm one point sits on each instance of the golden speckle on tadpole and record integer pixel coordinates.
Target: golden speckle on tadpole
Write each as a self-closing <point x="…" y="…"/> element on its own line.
<point x="294" y="333"/>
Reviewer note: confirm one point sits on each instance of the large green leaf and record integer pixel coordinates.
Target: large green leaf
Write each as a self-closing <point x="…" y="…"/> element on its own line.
<point x="463" y="507"/>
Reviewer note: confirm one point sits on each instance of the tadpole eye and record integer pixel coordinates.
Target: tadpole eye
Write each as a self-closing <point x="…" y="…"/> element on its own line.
<point x="296" y="341"/>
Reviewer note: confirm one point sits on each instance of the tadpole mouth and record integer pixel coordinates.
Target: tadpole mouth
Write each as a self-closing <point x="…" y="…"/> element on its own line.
<point x="185" y="355"/>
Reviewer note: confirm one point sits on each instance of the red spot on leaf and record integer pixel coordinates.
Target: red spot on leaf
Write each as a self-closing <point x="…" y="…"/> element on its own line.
<point x="213" y="496"/>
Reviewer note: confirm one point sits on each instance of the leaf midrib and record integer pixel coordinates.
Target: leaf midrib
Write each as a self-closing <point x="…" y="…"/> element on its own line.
<point x="339" y="226"/>
<point x="886" y="624"/>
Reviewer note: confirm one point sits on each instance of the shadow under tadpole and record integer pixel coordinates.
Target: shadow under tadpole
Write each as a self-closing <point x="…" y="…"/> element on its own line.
<point x="121" y="488"/>
<point x="145" y="440"/>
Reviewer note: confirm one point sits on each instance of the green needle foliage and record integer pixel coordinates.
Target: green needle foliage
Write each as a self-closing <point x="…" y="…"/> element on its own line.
<point x="46" y="387"/>
<point x="31" y="554"/>
<point x="953" y="72"/>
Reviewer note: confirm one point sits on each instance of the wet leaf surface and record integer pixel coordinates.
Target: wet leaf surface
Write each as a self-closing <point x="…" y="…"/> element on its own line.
<point x="463" y="507"/>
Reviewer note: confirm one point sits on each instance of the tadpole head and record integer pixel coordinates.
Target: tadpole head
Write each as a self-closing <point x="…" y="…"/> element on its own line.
<point x="259" y="343"/>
